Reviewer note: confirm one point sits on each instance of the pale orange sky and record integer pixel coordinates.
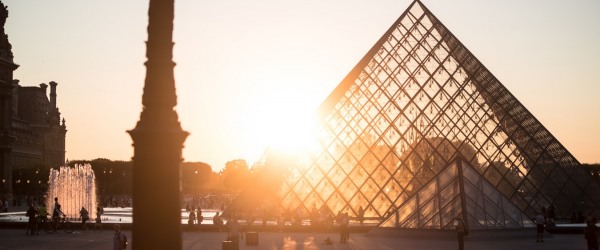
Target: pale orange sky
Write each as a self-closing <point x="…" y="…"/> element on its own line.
<point x="247" y="69"/>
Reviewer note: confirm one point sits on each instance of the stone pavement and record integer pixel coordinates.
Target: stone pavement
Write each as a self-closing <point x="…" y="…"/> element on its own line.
<point x="90" y="240"/>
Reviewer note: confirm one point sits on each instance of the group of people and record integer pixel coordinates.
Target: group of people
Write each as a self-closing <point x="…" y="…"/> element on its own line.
<point x="195" y="217"/>
<point x="547" y="218"/>
<point x="40" y="215"/>
<point x="84" y="215"/>
<point x="119" y="238"/>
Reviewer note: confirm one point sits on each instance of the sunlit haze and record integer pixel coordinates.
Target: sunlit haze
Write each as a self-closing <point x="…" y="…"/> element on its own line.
<point x="252" y="73"/>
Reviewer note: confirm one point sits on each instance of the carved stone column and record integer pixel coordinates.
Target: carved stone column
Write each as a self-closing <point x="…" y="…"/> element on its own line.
<point x="158" y="142"/>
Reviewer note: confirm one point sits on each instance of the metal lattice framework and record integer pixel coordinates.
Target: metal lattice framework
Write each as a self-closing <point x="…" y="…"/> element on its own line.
<point x="416" y="101"/>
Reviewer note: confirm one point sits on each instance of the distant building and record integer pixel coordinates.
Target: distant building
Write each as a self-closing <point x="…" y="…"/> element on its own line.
<point x="40" y="135"/>
<point x="32" y="136"/>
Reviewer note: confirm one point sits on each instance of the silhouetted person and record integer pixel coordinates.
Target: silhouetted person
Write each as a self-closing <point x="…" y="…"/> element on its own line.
<point x="31" y="224"/>
<point x="3" y="205"/>
<point x="287" y="216"/>
<point x="551" y="216"/>
<point x="56" y="211"/>
<point x="265" y="215"/>
<point x="217" y="221"/>
<point x="119" y="238"/>
<point x="344" y="232"/>
<point x="361" y="215"/>
<point x="544" y="213"/>
<point x="56" y="214"/>
<point x="233" y="230"/>
<point x="42" y="213"/>
<point x="591" y="234"/>
<point x="314" y="217"/>
<point x="85" y="216"/>
<point x="192" y="218"/>
<point x="539" y="222"/>
<point x="297" y="219"/>
<point x="99" y="212"/>
<point x="199" y="216"/>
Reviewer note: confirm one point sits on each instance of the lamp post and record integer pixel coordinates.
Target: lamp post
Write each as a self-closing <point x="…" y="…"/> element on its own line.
<point x="36" y="185"/>
<point x="123" y="182"/>
<point x="104" y="181"/>
<point x="109" y="184"/>
<point x="18" y="184"/>
<point x="220" y="180"/>
<point x="195" y="184"/>
<point x="40" y="197"/>
<point x="28" y="188"/>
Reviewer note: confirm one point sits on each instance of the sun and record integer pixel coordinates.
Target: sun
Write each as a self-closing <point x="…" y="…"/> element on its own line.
<point x="280" y="104"/>
<point x="284" y="125"/>
<point x="281" y="119"/>
<point x="294" y="135"/>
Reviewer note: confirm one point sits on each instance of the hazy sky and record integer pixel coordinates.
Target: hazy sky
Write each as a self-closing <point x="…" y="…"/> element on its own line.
<point x="247" y="69"/>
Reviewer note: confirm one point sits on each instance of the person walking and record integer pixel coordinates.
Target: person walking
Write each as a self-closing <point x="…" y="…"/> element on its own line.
<point x="344" y="230"/>
<point x="119" y="238"/>
<point x="199" y="217"/>
<point x="539" y="222"/>
<point x="85" y="216"/>
<point x="217" y="221"/>
<point x="591" y="234"/>
<point x="32" y="214"/>
<point x="56" y="204"/>
<point x="233" y="230"/>
<point x="98" y="223"/>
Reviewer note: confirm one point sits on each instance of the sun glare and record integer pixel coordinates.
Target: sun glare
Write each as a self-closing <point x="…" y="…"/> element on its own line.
<point x="280" y="102"/>
<point x="287" y="127"/>
<point x="295" y="135"/>
<point x="281" y="119"/>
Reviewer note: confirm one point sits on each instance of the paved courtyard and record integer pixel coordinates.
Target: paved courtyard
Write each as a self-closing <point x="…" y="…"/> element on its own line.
<point x="89" y="240"/>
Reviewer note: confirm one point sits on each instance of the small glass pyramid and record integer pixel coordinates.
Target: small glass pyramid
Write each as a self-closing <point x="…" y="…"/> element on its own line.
<point x="459" y="190"/>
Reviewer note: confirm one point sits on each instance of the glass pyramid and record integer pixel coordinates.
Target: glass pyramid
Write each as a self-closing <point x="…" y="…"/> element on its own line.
<point x="459" y="190"/>
<point x="416" y="101"/>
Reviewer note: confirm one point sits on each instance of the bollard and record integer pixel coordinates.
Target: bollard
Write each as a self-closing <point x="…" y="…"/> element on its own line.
<point x="252" y="239"/>
<point x="229" y="245"/>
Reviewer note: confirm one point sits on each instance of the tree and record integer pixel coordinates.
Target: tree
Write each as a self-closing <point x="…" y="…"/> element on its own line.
<point x="194" y="175"/>
<point x="236" y="174"/>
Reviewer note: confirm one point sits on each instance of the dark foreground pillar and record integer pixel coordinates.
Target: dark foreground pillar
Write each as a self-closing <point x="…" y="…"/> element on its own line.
<point x="158" y="142"/>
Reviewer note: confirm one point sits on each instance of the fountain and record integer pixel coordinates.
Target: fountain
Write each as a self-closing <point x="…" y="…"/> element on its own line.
<point x="75" y="188"/>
